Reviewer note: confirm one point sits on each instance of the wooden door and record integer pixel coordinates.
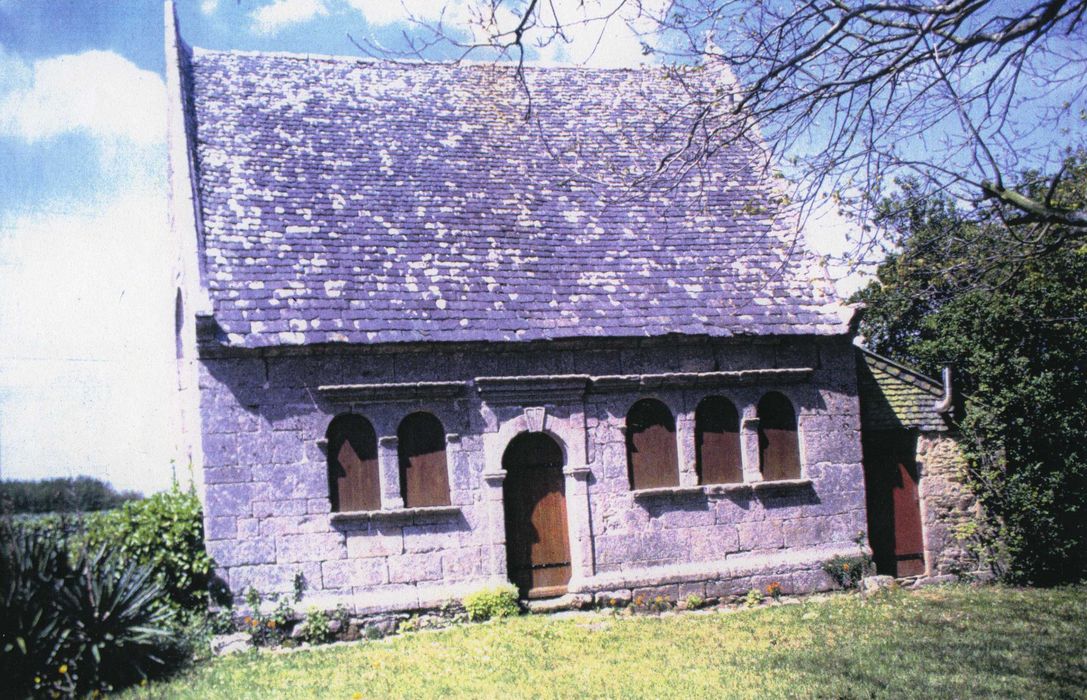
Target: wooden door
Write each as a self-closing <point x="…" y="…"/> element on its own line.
<point x="537" y="541"/>
<point x="894" y="504"/>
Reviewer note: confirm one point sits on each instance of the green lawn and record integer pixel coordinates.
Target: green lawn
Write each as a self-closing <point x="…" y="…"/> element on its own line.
<point x="939" y="643"/>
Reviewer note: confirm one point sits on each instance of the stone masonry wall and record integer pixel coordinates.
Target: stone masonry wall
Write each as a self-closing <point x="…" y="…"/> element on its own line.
<point x="946" y="503"/>
<point x="266" y="491"/>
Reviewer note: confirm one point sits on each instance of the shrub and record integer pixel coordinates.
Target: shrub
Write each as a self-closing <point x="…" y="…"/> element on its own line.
<point x="655" y="605"/>
<point x="753" y="598"/>
<point x="695" y="601"/>
<point x="72" y="623"/>
<point x="165" y="532"/>
<point x="497" y="601"/>
<point x="847" y="572"/>
<point x="773" y="589"/>
<point x="317" y="628"/>
<point x="271" y="629"/>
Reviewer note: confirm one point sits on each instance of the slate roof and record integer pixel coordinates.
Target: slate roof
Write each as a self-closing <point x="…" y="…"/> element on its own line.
<point x="357" y="201"/>
<point x="894" y="396"/>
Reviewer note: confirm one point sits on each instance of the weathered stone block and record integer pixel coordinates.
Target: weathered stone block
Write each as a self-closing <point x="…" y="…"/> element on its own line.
<point x="230" y="553"/>
<point x="346" y="573"/>
<point x="293" y="525"/>
<point x="699" y="516"/>
<point x="220" y="528"/>
<point x="230" y="499"/>
<point x="710" y="544"/>
<point x="280" y="506"/>
<point x="248" y="528"/>
<point x="761" y="534"/>
<point x="411" y="568"/>
<point x="322" y="546"/>
<point x="294" y="482"/>
<point x="220" y="450"/>
<point x="235" y="419"/>
<point x="278" y="447"/>
<point x="271" y="578"/>
<point x="227" y="475"/>
<point x="462" y="563"/>
<point x="431" y="538"/>
<point x="374" y="542"/>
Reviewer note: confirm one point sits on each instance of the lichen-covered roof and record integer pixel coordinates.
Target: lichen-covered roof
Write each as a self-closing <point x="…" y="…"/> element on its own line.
<point x="894" y="396"/>
<point x="357" y="201"/>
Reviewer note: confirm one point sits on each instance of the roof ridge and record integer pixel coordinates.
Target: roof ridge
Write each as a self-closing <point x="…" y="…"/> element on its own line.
<point x="414" y="62"/>
<point x="898" y="365"/>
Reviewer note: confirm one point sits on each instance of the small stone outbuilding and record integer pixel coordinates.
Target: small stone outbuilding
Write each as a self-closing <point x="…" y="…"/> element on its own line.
<point x="917" y="497"/>
<point x="426" y="345"/>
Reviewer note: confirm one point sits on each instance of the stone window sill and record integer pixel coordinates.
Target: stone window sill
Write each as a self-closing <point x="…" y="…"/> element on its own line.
<point x="708" y="489"/>
<point x="363" y="515"/>
<point x="781" y="484"/>
<point x="666" y="491"/>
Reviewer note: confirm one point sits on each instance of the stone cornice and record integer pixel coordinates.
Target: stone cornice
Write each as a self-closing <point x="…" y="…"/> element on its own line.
<point x="533" y="389"/>
<point x="698" y="380"/>
<point x="558" y="388"/>
<point x="400" y="391"/>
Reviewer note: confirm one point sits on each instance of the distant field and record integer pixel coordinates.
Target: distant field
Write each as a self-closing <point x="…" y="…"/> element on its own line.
<point x="939" y="643"/>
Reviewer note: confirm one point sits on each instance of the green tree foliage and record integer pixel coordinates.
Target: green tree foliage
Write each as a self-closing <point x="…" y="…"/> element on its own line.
<point x="63" y="495"/>
<point x="165" y="532"/>
<point x="1014" y="327"/>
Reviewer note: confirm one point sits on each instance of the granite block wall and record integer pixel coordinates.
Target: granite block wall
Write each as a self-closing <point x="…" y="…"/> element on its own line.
<point x="268" y="514"/>
<point x="947" y="503"/>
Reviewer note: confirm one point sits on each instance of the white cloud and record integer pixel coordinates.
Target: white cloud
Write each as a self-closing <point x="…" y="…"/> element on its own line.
<point x="98" y="93"/>
<point x="601" y="33"/>
<point x="382" y="13"/>
<point x="209" y="7"/>
<point x="274" y="18"/>
<point x="606" y="34"/>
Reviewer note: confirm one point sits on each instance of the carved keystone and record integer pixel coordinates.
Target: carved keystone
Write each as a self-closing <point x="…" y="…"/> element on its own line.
<point x="535" y="417"/>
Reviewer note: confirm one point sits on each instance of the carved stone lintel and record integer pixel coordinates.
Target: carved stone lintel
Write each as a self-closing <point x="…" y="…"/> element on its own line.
<point x="579" y="473"/>
<point x="535" y="417"/>
<point x="494" y="478"/>
<point x="401" y="391"/>
<point x="552" y="389"/>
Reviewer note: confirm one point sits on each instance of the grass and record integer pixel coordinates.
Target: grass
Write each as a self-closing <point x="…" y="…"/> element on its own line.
<point x="951" y="642"/>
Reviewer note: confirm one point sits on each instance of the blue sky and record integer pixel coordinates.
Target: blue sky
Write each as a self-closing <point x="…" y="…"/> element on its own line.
<point x="86" y="298"/>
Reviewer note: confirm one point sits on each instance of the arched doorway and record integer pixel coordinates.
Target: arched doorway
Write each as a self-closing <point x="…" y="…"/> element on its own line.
<point x="534" y="493"/>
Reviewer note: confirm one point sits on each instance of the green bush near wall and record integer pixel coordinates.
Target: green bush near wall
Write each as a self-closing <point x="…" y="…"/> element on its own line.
<point x="164" y="532"/>
<point x="497" y="601"/>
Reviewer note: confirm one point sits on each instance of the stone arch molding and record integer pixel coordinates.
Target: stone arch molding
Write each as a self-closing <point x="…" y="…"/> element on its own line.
<point x="567" y="431"/>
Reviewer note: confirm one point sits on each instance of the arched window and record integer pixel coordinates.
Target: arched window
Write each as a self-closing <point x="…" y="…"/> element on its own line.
<point x="779" y="449"/>
<point x="717" y="442"/>
<point x="424" y="478"/>
<point x="353" y="481"/>
<point x="651" y="446"/>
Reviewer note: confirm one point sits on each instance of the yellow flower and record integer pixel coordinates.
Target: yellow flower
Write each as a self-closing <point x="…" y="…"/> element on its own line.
<point x="356" y="696"/>
<point x="845" y="567"/>
<point x="37" y="679"/>
<point x="63" y="669"/>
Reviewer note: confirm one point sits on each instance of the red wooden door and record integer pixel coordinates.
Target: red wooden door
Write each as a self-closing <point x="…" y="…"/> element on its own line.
<point x="537" y="543"/>
<point x="894" y="505"/>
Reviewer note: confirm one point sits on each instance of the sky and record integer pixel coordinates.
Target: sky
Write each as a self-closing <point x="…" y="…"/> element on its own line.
<point x="87" y="381"/>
